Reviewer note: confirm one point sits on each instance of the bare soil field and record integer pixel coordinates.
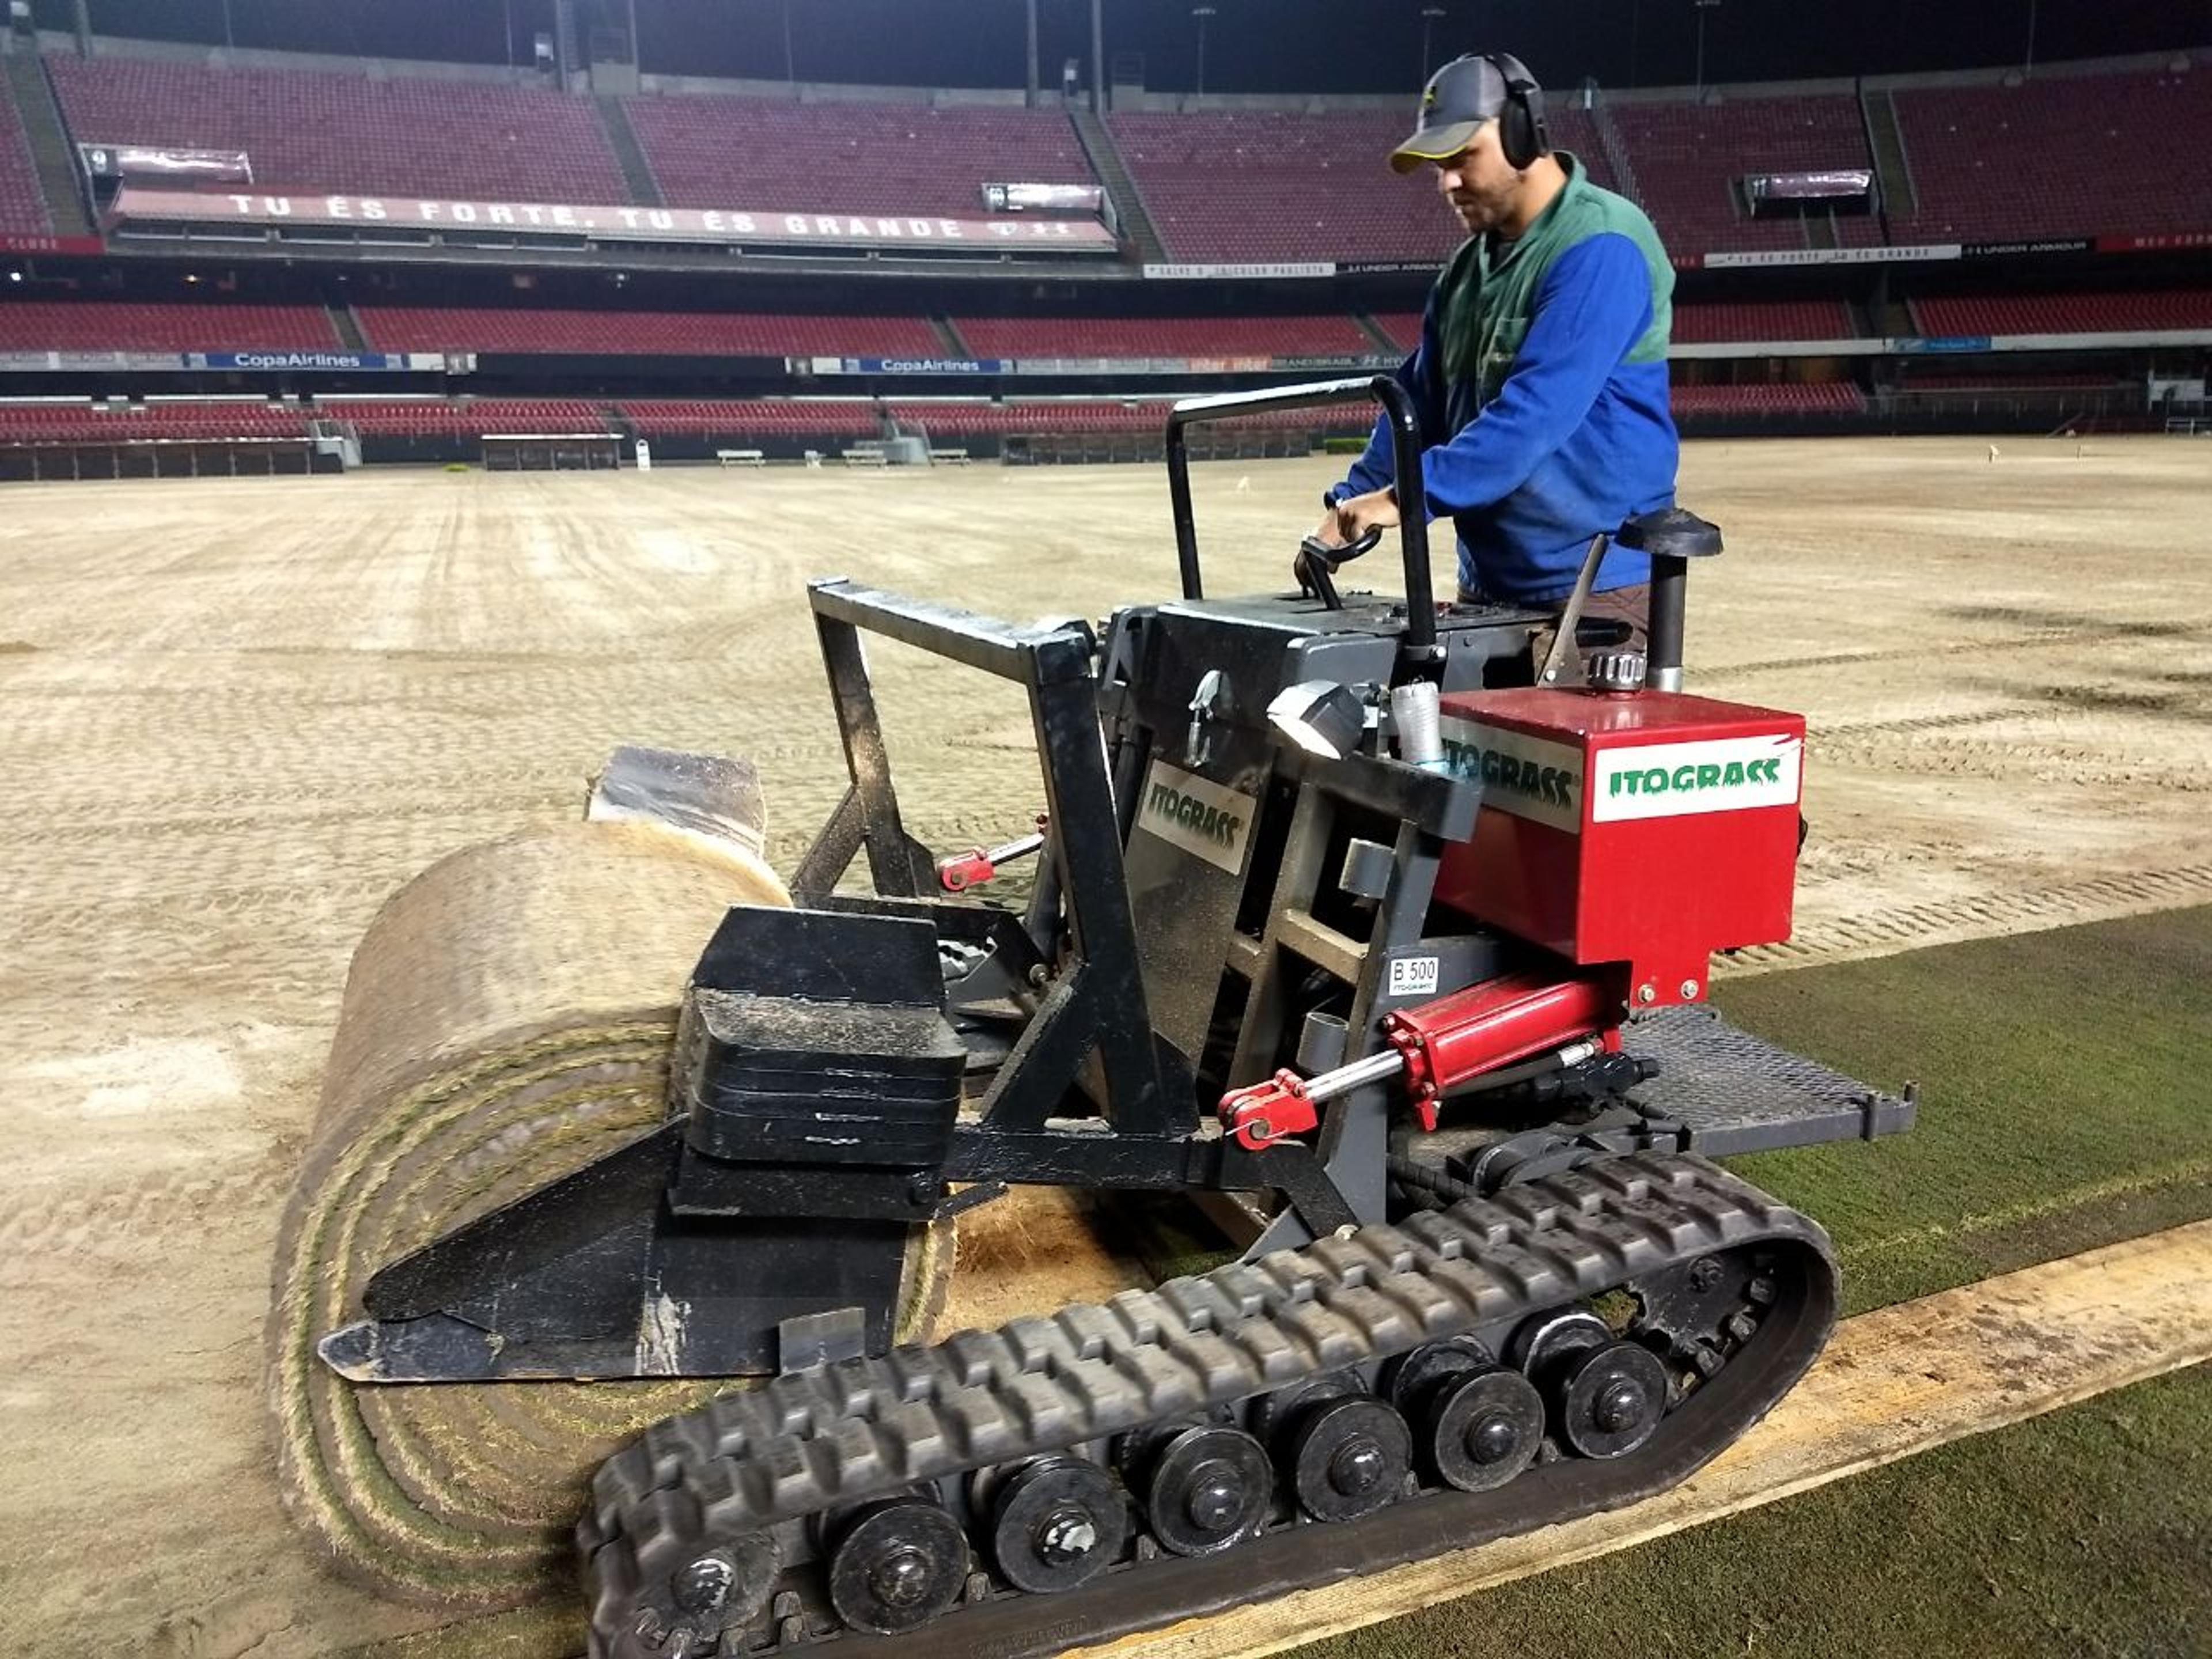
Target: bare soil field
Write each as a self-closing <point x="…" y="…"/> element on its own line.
<point x="235" y="716"/>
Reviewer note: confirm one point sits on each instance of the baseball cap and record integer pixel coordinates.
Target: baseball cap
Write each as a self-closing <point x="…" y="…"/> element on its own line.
<point x="1459" y="98"/>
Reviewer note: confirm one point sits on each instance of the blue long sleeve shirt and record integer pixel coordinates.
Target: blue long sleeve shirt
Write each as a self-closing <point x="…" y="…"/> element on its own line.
<point x="1541" y="382"/>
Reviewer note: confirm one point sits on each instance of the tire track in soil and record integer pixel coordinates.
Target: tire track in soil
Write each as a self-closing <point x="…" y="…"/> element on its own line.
<point x="2030" y="639"/>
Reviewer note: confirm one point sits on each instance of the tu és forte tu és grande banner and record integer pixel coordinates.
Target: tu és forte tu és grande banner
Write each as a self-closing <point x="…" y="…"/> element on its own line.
<point x="620" y="223"/>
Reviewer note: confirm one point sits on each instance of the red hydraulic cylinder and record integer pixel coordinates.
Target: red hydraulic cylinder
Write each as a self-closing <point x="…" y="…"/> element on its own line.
<point x="1460" y="1036"/>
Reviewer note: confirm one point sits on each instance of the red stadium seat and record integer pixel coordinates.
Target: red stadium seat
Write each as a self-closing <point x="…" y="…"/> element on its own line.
<point x="2086" y="155"/>
<point x="310" y="130"/>
<point x="1824" y="397"/>
<point x="760" y="417"/>
<point x="1688" y="158"/>
<point x="22" y="204"/>
<point x="751" y="154"/>
<point x="85" y="423"/>
<point x="677" y="333"/>
<point x="425" y="418"/>
<point x="1264" y="186"/>
<point x="124" y="325"/>
<point x="2066" y="313"/>
<point x="1328" y="334"/>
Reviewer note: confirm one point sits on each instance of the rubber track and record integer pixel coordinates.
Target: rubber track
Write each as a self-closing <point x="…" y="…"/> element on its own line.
<point x="842" y="1434"/>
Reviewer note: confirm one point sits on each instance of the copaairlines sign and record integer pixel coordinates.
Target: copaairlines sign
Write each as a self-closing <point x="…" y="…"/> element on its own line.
<point x="623" y="224"/>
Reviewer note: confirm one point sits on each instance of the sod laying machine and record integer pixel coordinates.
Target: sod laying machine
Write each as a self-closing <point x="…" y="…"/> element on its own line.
<point x="1381" y="929"/>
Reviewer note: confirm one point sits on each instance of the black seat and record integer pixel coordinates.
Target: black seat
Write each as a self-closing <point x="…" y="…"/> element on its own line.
<point x="1671" y="533"/>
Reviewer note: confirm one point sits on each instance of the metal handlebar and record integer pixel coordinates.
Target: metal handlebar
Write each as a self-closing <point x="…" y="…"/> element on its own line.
<point x="1405" y="451"/>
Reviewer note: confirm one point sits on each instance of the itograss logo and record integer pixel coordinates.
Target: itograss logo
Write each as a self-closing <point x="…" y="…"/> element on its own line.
<point x="1197" y="814"/>
<point x="1710" y="775"/>
<point x="1658" y="780"/>
<point x="1168" y="803"/>
<point x="1529" y="777"/>
<point x="1556" y="785"/>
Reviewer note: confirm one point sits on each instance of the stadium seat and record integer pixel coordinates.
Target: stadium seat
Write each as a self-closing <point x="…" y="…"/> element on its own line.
<point x="83" y="422"/>
<point x="312" y="130"/>
<point x="759" y="417"/>
<point x="1272" y="186"/>
<point x="424" y="417"/>
<point x="2072" y="155"/>
<point x="1326" y="335"/>
<point x="1825" y="396"/>
<point x="1688" y="157"/>
<point x="129" y="326"/>
<point x="22" y="204"/>
<point x="752" y="154"/>
<point x="1762" y="319"/>
<point x="428" y="328"/>
<point x="2066" y="313"/>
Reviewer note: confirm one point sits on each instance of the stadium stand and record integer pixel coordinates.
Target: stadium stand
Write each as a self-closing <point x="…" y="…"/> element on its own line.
<point x="1822" y="397"/>
<point x="1168" y="337"/>
<point x="1745" y="320"/>
<point x="88" y="423"/>
<point x="128" y="325"/>
<point x="1254" y="186"/>
<point x="428" y="328"/>
<point x="430" y="417"/>
<point x="767" y="417"/>
<point x="1263" y="185"/>
<point x="1080" y="415"/>
<point x="1403" y="327"/>
<point x="737" y="153"/>
<point x="311" y="130"/>
<point x="999" y="420"/>
<point x="1762" y="319"/>
<point x="1688" y="158"/>
<point x="2110" y="154"/>
<point x="22" y="204"/>
<point x="2065" y="313"/>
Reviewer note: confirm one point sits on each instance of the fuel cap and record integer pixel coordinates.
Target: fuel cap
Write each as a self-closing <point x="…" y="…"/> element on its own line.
<point x="1614" y="671"/>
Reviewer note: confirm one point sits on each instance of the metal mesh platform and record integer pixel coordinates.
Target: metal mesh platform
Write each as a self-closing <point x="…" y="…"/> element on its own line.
<point x="1733" y="1092"/>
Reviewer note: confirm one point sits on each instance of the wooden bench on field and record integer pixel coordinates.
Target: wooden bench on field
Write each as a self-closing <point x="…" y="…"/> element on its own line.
<point x="740" y="458"/>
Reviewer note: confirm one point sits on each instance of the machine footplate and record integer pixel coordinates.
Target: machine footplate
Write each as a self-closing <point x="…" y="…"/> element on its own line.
<point x="1575" y="1344"/>
<point x="1734" y="1093"/>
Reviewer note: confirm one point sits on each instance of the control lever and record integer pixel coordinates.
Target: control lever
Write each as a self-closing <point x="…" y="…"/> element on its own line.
<point x="1317" y="561"/>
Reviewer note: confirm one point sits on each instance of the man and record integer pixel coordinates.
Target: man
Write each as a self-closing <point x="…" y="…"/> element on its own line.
<point x="1541" y="375"/>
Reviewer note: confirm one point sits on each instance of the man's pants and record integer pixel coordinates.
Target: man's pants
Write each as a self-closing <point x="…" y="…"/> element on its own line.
<point x="1628" y="605"/>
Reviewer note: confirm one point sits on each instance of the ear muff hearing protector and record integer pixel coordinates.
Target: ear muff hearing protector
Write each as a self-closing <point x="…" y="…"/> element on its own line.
<point x="1521" y="134"/>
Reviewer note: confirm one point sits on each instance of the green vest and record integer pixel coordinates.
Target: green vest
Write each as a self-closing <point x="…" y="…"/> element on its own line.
<point x="1487" y="293"/>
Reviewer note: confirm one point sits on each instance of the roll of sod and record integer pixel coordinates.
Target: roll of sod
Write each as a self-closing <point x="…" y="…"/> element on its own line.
<point x="506" y="1020"/>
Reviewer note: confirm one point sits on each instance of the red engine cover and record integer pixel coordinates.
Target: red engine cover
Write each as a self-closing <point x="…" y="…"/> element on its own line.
<point x="1649" y="830"/>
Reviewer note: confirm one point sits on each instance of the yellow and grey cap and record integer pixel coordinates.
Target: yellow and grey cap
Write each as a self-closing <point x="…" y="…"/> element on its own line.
<point x="1459" y="98"/>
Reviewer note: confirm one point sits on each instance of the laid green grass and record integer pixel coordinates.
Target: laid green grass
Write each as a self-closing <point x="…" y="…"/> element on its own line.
<point x="2084" y="1534"/>
<point x="2066" y="1102"/>
<point x="2066" y="1098"/>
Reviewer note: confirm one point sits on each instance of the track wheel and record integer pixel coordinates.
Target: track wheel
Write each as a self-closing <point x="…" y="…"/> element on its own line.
<point x="1057" y="1523"/>
<point x="896" y="1565"/>
<point x="1611" y="1399"/>
<point x="1480" y="1428"/>
<point x="1347" y="1457"/>
<point x="1208" y="1489"/>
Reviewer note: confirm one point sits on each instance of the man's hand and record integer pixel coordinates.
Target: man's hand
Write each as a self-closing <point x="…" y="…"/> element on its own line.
<point x="1357" y="514"/>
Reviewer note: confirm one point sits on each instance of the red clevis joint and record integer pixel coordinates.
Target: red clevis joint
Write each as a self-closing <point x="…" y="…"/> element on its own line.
<point x="1261" y="1114"/>
<point x="962" y="871"/>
